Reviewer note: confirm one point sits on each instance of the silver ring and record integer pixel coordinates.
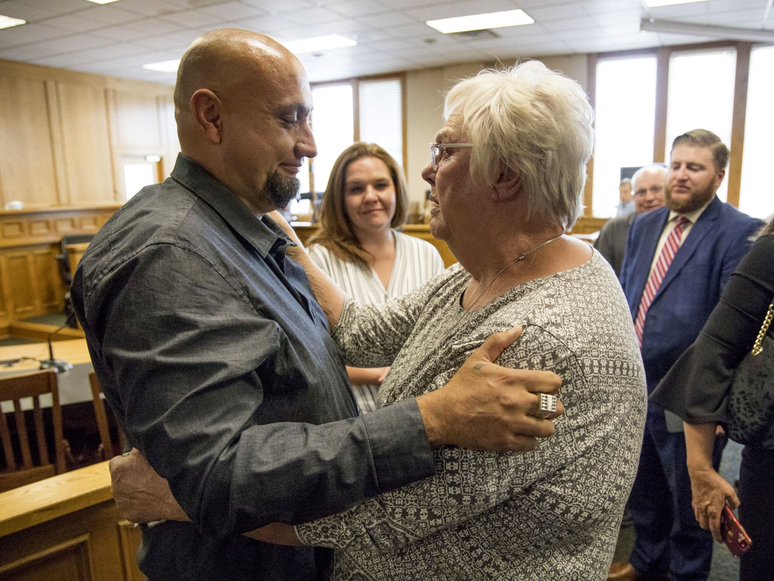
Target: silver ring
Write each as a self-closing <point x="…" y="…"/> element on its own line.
<point x="547" y="406"/>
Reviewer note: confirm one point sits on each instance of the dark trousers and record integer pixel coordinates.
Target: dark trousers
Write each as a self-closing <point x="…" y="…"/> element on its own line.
<point x="668" y="538"/>
<point x="756" y="513"/>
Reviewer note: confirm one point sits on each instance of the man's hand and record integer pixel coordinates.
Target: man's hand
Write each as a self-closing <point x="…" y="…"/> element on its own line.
<point x="485" y="406"/>
<point x="141" y="494"/>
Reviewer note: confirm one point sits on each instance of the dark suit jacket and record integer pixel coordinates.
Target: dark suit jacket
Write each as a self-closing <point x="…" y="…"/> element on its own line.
<point x="693" y="283"/>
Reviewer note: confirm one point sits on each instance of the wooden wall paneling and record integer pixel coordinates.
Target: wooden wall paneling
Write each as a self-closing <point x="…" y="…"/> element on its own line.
<point x="130" y="539"/>
<point x="662" y="93"/>
<point x="22" y="284"/>
<point x="737" y="125"/>
<point x="171" y="142"/>
<point x="26" y="155"/>
<point x="65" y="561"/>
<point x="6" y="304"/>
<point x="137" y="121"/>
<point x="86" y="141"/>
<point x="85" y="545"/>
<point x="51" y="288"/>
<point x="57" y="145"/>
<point x="111" y="99"/>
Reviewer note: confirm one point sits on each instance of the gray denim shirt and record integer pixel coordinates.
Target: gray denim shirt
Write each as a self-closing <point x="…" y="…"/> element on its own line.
<point x="211" y="349"/>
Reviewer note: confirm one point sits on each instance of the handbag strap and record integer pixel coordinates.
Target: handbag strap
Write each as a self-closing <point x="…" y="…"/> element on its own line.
<point x="758" y="345"/>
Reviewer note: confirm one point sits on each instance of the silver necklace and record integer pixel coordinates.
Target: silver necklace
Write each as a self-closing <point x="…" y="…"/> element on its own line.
<point x="507" y="266"/>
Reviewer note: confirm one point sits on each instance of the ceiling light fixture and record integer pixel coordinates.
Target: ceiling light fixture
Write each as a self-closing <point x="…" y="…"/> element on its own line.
<point x="9" y="22"/>
<point x="101" y="1"/>
<point x="722" y="32"/>
<point x="660" y="3"/>
<point x="481" y="21"/>
<point x="318" y="43"/>
<point x="163" y="66"/>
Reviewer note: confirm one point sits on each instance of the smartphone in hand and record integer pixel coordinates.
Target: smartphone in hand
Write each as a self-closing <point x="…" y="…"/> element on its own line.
<point x="735" y="537"/>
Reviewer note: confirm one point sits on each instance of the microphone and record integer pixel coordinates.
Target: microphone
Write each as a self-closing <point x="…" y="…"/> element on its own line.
<point x="58" y="365"/>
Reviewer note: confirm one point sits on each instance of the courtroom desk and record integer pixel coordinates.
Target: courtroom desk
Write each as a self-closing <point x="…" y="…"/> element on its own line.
<point x="67" y="528"/>
<point x="73" y="385"/>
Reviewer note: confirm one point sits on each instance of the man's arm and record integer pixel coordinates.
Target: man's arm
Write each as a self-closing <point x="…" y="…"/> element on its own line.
<point x="484" y="406"/>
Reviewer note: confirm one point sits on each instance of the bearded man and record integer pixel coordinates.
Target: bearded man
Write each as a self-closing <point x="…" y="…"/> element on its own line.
<point x="677" y="263"/>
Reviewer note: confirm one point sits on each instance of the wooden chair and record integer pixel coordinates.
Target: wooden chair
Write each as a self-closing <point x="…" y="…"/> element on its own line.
<point x="14" y="389"/>
<point x="107" y="449"/>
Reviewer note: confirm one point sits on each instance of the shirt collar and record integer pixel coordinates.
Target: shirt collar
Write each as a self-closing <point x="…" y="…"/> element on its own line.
<point x="262" y="233"/>
<point x="690" y="216"/>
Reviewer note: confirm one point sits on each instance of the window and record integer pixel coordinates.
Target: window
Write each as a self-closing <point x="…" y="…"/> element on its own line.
<point x="381" y="115"/>
<point x="625" y="104"/>
<point x="755" y="196"/>
<point x="333" y="125"/>
<point x="360" y="110"/>
<point x="701" y="95"/>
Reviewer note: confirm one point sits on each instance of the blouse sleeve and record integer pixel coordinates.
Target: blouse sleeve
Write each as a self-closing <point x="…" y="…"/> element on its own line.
<point x="696" y="386"/>
<point x="467" y="482"/>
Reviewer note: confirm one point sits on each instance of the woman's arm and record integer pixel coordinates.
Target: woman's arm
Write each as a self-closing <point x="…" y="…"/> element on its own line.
<point x="709" y="489"/>
<point x="367" y="375"/>
<point x="326" y="291"/>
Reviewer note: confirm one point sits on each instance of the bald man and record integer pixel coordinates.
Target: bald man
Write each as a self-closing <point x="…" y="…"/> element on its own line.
<point x="648" y="183"/>
<point x="211" y="349"/>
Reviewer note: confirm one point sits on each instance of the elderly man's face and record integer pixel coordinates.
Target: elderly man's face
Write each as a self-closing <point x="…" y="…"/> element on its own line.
<point x="271" y="137"/>
<point x="649" y="191"/>
<point x="452" y="187"/>
<point x="692" y="179"/>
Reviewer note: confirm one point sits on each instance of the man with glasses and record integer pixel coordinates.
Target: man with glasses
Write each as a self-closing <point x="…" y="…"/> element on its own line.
<point x="648" y="182"/>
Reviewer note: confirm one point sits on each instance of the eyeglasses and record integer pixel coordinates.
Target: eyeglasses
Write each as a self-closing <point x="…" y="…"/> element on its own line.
<point x="435" y="151"/>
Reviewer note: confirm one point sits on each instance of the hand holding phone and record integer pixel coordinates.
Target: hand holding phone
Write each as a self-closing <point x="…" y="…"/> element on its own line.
<point x="734" y="535"/>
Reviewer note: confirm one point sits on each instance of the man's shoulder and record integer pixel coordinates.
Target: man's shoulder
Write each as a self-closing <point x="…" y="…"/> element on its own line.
<point x="729" y="214"/>
<point x="161" y="214"/>
<point x="619" y="222"/>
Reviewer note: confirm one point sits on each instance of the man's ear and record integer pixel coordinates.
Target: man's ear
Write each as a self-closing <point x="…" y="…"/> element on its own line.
<point x="507" y="186"/>
<point x="719" y="178"/>
<point x="206" y="109"/>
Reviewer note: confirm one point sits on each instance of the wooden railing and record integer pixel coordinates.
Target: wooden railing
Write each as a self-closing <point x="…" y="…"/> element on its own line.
<point x="67" y="528"/>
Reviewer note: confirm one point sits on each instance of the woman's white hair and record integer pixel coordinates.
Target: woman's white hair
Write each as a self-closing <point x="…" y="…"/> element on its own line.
<point x="532" y="122"/>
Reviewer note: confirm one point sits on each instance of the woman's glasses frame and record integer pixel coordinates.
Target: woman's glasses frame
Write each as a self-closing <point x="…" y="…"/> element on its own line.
<point x="435" y="151"/>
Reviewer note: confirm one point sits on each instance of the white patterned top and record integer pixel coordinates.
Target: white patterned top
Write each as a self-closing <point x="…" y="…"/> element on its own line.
<point x="552" y="513"/>
<point x="416" y="262"/>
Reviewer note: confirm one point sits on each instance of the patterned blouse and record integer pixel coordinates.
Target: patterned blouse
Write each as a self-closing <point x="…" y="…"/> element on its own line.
<point x="552" y="513"/>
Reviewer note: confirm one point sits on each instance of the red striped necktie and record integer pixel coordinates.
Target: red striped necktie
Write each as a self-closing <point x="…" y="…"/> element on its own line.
<point x="668" y="252"/>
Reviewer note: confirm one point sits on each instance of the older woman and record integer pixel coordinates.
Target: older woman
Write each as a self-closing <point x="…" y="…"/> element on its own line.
<point x="359" y="247"/>
<point x="506" y="172"/>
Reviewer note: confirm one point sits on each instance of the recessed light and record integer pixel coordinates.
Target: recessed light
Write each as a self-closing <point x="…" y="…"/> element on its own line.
<point x="481" y="21"/>
<point x="318" y="43"/>
<point x="163" y="66"/>
<point x="9" y="22"/>
<point x="659" y="3"/>
<point x="101" y="1"/>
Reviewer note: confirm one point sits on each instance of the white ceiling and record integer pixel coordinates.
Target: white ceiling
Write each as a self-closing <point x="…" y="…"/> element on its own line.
<point x="116" y="39"/>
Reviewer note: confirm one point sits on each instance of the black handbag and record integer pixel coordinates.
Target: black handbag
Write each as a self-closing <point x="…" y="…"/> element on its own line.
<point x="751" y="395"/>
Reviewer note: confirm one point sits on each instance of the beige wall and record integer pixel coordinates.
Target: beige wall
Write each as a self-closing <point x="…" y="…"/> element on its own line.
<point x="65" y="134"/>
<point x="425" y="90"/>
